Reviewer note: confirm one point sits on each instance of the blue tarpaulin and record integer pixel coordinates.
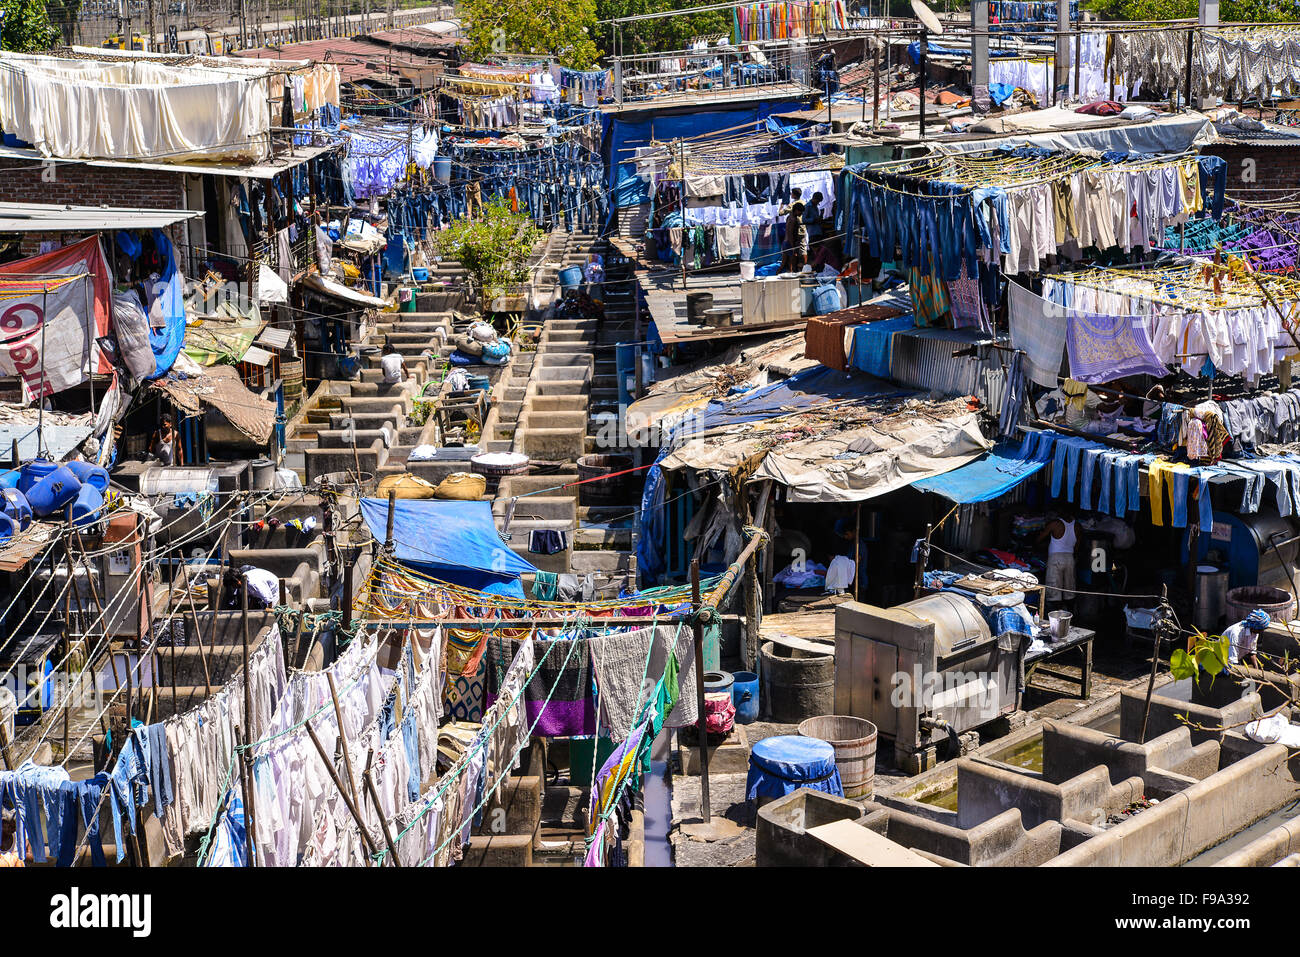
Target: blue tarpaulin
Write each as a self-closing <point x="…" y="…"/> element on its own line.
<point x="873" y="344"/>
<point x="452" y="541"/>
<point x="170" y="292"/>
<point x="986" y="478"/>
<point x="621" y="137"/>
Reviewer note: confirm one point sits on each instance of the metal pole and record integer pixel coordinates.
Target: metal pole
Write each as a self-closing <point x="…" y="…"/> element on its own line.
<point x="681" y="158"/>
<point x="925" y="53"/>
<point x="701" y="724"/>
<point x="40" y="397"/>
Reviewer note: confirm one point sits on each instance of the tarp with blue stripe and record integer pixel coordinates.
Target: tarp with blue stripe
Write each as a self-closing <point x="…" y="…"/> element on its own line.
<point x="451" y="541"/>
<point x="987" y="478"/>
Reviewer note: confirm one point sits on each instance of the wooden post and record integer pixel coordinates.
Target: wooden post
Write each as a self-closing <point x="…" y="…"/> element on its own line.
<point x="343" y="738"/>
<point x="347" y="596"/>
<point x="4" y="747"/>
<point x="701" y="724"/>
<point x="198" y="637"/>
<point x="857" y="549"/>
<point x="388" y="529"/>
<point x="343" y="792"/>
<point x="379" y="811"/>
<point x="920" y="563"/>
<point x="248" y="710"/>
<point x="284" y="644"/>
<point x="246" y="786"/>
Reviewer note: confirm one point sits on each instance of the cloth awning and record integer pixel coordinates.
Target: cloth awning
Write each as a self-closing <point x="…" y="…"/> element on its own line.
<point x="339" y="291"/>
<point x="830" y="437"/>
<point x="986" y="478"/>
<point x="221" y="388"/>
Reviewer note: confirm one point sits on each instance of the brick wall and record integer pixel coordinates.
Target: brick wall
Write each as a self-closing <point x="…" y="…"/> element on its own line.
<point x="80" y="185"/>
<point x="1272" y="170"/>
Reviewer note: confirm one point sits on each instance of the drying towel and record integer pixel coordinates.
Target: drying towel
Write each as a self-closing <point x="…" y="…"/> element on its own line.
<point x="571" y="708"/>
<point x="1038" y="330"/>
<point x="621" y="659"/>
<point x="728" y="240"/>
<point x="1103" y="348"/>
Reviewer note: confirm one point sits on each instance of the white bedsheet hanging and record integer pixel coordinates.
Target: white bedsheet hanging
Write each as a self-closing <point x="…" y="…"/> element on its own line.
<point x="134" y="109"/>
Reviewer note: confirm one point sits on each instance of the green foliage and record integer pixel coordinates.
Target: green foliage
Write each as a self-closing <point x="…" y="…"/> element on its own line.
<point x="63" y="15"/>
<point x="556" y="28"/>
<point x="1243" y="11"/>
<point x="1209" y="654"/>
<point x="666" y="33"/>
<point x="494" y="248"/>
<point x="26" y="26"/>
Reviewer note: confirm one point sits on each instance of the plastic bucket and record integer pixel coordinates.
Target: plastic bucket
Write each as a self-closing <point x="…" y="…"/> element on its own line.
<point x="8" y="528"/>
<point x="442" y="169"/>
<point x="854" y="741"/>
<point x="744" y="695"/>
<point x="57" y="489"/>
<point x="88" y="473"/>
<point x="825" y="300"/>
<point x="14" y="504"/>
<point x="89" y="503"/>
<point x="419" y="274"/>
<point x="571" y="277"/>
<point x="33" y="472"/>
<point x="746" y="270"/>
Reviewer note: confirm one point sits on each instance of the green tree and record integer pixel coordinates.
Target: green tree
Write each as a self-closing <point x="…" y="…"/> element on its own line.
<point x="494" y="248"/>
<point x="26" y="27"/>
<point x="1241" y="11"/>
<point x="665" y="33"/>
<point x="558" y="28"/>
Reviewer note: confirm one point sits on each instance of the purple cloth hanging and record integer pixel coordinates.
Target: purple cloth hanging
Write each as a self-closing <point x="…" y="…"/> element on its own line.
<point x="1102" y="348"/>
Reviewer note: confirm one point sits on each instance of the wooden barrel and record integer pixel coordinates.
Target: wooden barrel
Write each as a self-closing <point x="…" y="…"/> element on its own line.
<point x="796" y="688"/>
<point x="854" y="741"/>
<point x="291" y="372"/>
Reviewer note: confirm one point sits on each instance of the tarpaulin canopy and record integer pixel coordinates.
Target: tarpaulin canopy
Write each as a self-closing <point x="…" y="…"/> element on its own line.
<point x="622" y="137"/>
<point x="984" y="479"/>
<point x="829" y="436"/>
<point x="221" y="388"/>
<point x="450" y="540"/>
<point x="56" y="306"/>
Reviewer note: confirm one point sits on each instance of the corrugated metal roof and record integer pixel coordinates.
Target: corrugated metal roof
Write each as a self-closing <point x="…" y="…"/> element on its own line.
<point x="356" y="59"/>
<point x="36" y="217"/>
<point x="923" y="359"/>
<point x="274" y="338"/>
<point x="257" y="357"/>
<point x="263" y="170"/>
<point x="58" y="440"/>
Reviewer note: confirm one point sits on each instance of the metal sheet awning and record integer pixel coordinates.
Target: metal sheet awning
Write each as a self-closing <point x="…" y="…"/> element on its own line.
<point x="257" y="357"/>
<point x="274" y="338"/>
<point x="265" y="169"/>
<point x="37" y="217"/>
<point x="58" y="440"/>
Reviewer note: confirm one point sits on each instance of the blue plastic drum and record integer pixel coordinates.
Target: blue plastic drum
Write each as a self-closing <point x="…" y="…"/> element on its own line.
<point x="14" y="504"/>
<point x="744" y="695"/>
<point x="50" y="494"/>
<point x="781" y="765"/>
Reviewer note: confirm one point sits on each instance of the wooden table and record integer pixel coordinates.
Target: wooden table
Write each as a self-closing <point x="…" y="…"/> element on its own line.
<point x="1078" y="638"/>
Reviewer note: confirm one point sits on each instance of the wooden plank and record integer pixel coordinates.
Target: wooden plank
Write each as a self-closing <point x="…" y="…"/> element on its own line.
<point x="813" y="625"/>
<point x="866" y="846"/>
<point x="800" y="644"/>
